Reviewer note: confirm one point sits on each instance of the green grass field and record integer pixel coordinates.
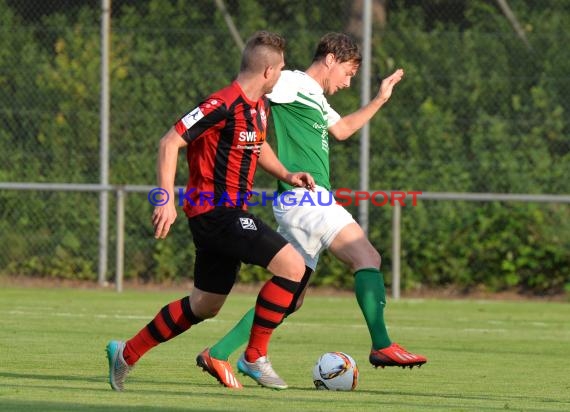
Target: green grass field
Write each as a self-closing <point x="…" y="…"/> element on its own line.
<point x="483" y="355"/>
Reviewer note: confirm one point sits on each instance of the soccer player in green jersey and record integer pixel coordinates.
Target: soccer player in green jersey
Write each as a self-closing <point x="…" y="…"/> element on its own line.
<point x="303" y="121"/>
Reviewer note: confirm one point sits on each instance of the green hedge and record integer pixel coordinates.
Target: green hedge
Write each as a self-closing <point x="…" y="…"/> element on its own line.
<point x="476" y="112"/>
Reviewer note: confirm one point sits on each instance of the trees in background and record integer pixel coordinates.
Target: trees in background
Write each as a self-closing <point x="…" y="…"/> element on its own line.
<point x="477" y="112"/>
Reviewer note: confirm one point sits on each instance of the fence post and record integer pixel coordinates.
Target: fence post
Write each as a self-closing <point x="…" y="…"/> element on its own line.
<point x="104" y="140"/>
<point x="120" y="258"/>
<point x="396" y="243"/>
<point x="363" y="212"/>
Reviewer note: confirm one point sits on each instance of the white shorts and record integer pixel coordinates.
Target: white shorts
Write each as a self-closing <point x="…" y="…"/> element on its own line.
<point x="310" y="220"/>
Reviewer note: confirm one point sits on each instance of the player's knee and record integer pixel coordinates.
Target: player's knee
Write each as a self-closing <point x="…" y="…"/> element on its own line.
<point x="206" y="309"/>
<point x="295" y="261"/>
<point x="369" y="257"/>
<point x="376" y="258"/>
<point x="297" y="268"/>
<point x="288" y="264"/>
<point x="210" y="312"/>
<point x="373" y="257"/>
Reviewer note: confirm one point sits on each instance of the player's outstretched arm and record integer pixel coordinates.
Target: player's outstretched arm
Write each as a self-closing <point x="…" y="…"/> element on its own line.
<point x="349" y="124"/>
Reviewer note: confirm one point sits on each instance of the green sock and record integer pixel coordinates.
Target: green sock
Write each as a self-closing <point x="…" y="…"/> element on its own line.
<point x="236" y="337"/>
<point x="371" y="297"/>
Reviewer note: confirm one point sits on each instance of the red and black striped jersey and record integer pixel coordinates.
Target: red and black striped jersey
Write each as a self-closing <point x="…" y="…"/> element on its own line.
<point x="224" y="134"/>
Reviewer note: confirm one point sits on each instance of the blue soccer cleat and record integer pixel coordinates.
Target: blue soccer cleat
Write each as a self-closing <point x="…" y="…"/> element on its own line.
<point x="262" y="372"/>
<point x="118" y="368"/>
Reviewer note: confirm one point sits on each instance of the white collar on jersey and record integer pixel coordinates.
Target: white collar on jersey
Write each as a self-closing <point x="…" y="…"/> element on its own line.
<point x="310" y="84"/>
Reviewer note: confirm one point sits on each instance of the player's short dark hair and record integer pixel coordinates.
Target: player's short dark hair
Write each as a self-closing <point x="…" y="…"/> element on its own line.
<point x="344" y="47"/>
<point x="258" y="48"/>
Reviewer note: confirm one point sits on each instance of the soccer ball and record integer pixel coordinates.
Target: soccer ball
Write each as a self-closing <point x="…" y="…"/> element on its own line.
<point x="335" y="371"/>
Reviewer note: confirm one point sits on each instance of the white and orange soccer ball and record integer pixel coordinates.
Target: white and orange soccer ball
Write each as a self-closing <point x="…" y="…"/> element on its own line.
<point x="335" y="371"/>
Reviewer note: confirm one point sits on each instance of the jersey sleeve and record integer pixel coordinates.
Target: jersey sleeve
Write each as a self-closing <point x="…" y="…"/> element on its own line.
<point x="285" y="91"/>
<point x="210" y="114"/>
<point x="332" y="115"/>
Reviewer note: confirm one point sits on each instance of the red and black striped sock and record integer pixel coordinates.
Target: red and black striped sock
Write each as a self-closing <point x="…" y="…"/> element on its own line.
<point x="272" y="303"/>
<point x="171" y="321"/>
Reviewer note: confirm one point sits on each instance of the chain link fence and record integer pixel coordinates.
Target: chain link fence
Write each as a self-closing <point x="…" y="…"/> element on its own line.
<point x="483" y="108"/>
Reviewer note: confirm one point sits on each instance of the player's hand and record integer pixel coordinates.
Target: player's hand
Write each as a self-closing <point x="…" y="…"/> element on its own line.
<point x="162" y="218"/>
<point x="301" y="179"/>
<point x="387" y="85"/>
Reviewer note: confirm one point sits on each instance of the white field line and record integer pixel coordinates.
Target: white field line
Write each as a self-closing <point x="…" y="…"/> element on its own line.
<point x="360" y="325"/>
<point x="495" y="326"/>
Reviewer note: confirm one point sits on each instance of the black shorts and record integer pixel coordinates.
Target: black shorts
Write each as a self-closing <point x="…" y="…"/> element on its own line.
<point x="224" y="238"/>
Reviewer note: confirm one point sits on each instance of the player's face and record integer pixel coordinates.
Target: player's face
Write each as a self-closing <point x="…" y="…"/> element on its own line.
<point x="274" y="74"/>
<point x="340" y="76"/>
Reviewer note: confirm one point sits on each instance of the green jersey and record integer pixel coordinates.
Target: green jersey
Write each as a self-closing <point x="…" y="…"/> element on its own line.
<point x="302" y="116"/>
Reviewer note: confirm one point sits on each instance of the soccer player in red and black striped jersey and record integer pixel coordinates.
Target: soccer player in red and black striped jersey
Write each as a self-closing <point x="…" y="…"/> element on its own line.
<point x="225" y="140"/>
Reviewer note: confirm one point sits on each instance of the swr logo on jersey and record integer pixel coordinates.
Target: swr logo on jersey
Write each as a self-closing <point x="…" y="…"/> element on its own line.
<point x="192" y="118"/>
<point x="247" y="136"/>
<point x="247" y="223"/>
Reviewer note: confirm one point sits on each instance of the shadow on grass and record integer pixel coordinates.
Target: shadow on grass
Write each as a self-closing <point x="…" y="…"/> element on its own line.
<point x="24" y="405"/>
<point x="565" y="404"/>
<point x="200" y="395"/>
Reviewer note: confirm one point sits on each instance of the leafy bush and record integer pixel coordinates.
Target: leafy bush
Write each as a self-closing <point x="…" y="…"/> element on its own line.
<point x="476" y="112"/>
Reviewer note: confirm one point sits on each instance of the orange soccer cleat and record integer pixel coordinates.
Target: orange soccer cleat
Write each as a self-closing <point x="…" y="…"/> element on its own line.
<point x="219" y="369"/>
<point x="395" y="355"/>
